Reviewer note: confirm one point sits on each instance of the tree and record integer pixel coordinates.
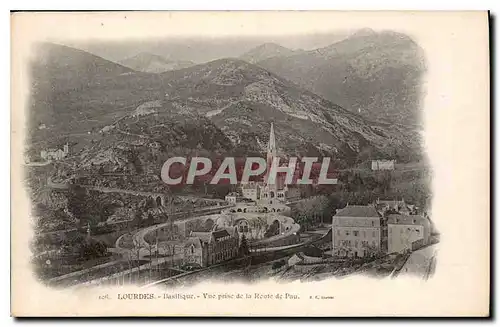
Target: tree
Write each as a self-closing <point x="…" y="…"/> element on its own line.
<point x="77" y="199"/>
<point x="273" y="229"/>
<point x="138" y="218"/>
<point x="371" y="250"/>
<point x="150" y="220"/>
<point x="244" y="250"/>
<point x="91" y="249"/>
<point x="84" y="248"/>
<point x="278" y="264"/>
<point x="301" y="215"/>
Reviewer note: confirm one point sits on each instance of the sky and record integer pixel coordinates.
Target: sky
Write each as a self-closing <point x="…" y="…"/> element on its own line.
<point x="203" y="49"/>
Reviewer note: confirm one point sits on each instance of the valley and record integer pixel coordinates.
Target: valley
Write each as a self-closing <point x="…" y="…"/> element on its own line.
<point x="109" y="127"/>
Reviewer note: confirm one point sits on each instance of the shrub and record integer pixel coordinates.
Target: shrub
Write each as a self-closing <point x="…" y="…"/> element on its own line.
<point x="278" y="264"/>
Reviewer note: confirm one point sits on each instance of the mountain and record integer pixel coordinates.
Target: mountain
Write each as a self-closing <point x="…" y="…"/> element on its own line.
<point x="67" y="68"/>
<point x="151" y="63"/>
<point x="242" y="99"/>
<point x="120" y="116"/>
<point x="73" y="91"/>
<point x="266" y="51"/>
<point x="375" y="74"/>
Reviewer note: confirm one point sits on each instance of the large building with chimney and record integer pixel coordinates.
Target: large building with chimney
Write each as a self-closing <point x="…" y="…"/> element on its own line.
<point x="210" y="248"/>
<point x="358" y="231"/>
<point x="55" y="154"/>
<point x="407" y="232"/>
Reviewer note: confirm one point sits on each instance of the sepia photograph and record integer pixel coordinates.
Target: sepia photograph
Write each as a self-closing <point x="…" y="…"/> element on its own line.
<point x="214" y="166"/>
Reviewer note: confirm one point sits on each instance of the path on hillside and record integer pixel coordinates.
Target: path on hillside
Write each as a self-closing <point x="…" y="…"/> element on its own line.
<point x="52" y="184"/>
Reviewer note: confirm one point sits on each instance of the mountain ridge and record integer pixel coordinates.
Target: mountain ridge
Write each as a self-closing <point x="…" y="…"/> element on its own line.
<point x="228" y="100"/>
<point x="266" y="51"/>
<point x="376" y="74"/>
<point x="153" y="63"/>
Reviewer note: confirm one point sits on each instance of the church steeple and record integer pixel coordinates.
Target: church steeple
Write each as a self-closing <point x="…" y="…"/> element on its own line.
<point x="271" y="154"/>
<point x="271" y="146"/>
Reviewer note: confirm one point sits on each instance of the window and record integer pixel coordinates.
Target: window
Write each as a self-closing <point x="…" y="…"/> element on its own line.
<point x="347" y="233"/>
<point x="355" y="233"/>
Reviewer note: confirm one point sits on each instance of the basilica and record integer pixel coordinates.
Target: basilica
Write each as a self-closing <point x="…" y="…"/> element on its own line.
<point x="269" y="193"/>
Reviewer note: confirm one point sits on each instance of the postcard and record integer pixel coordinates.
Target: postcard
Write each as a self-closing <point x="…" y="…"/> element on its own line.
<point x="261" y="163"/>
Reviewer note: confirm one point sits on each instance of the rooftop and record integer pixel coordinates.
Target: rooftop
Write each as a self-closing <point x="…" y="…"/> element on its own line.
<point x="396" y="219"/>
<point x="220" y="234"/>
<point x="207" y="236"/>
<point x="193" y="241"/>
<point x="391" y="202"/>
<point x="357" y="211"/>
<point x="202" y="236"/>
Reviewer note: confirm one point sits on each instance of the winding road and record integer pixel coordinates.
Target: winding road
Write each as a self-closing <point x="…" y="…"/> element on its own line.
<point x="421" y="262"/>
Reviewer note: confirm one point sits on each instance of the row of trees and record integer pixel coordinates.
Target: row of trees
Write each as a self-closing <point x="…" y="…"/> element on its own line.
<point x="83" y="248"/>
<point x="314" y="210"/>
<point x="319" y="209"/>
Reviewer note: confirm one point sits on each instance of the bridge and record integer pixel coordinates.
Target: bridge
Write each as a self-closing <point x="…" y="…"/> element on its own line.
<point x="160" y="199"/>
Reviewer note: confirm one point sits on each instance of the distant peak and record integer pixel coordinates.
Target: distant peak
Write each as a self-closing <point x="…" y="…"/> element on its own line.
<point x="270" y="45"/>
<point x="147" y="55"/>
<point x="364" y="32"/>
<point x="265" y="51"/>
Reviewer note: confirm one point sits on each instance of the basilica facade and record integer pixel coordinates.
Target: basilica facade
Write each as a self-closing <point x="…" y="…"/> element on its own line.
<point x="265" y="192"/>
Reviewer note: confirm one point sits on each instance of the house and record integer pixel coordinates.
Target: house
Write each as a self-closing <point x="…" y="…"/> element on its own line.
<point x="292" y="193"/>
<point x="233" y="198"/>
<point x="384" y="206"/>
<point x="154" y="147"/>
<point x="383" y="164"/>
<point x="209" y="248"/>
<point x="407" y="232"/>
<point x="251" y="191"/>
<point x="358" y="231"/>
<point x="55" y="154"/>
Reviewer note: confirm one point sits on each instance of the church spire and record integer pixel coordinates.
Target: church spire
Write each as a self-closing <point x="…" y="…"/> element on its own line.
<point x="271" y="146"/>
<point x="271" y="154"/>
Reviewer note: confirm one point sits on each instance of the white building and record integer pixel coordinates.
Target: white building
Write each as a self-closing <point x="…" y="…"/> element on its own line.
<point x="233" y="198"/>
<point x="251" y="191"/>
<point x="383" y="164"/>
<point x="407" y="232"/>
<point x="55" y="154"/>
<point x="357" y="231"/>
